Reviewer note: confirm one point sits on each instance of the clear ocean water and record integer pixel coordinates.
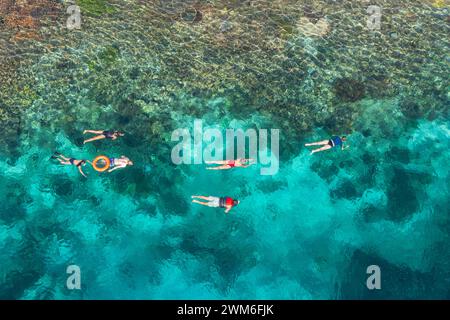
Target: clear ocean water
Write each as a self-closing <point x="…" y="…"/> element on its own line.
<point x="308" y="232"/>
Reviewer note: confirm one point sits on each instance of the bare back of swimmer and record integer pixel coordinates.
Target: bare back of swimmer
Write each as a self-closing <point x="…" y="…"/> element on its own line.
<point x="228" y="164"/>
<point x="103" y="134"/>
<point x="70" y="161"/>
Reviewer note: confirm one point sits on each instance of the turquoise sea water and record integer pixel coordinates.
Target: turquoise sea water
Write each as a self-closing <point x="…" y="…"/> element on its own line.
<point x="308" y="232"/>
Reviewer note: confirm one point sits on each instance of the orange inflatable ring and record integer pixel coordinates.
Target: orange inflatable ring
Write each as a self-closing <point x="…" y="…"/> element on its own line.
<point x="104" y="159"/>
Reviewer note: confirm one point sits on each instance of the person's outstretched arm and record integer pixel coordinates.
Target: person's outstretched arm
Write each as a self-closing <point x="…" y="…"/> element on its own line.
<point x="116" y="167"/>
<point x="81" y="171"/>
<point x="227" y="209"/>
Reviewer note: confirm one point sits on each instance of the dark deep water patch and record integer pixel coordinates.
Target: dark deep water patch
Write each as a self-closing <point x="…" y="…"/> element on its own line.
<point x="397" y="282"/>
<point x="402" y="198"/>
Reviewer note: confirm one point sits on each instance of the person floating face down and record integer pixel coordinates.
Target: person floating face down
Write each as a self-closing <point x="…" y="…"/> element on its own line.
<point x="118" y="163"/>
<point x="228" y="164"/>
<point x="334" y="141"/>
<point x="103" y="134"/>
<point x="70" y="161"/>
<point x="217" y="202"/>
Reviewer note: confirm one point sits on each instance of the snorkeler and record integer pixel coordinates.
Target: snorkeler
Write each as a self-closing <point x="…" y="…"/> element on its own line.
<point x="103" y="134"/>
<point x="70" y="161"/>
<point x="118" y="163"/>
<point x="228" y="164"/>
<point x="216" y="202"/>
<point x="328" y="144"/>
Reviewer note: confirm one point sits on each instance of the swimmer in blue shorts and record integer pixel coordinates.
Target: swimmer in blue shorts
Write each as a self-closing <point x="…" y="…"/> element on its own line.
<point x="334" y="141"/>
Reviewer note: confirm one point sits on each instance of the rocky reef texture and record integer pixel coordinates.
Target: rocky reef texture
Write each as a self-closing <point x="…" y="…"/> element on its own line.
<point x="310" y="29"/>
<point x="294" y="62"/>
<point x="24" y="17"/>
<point x="149" y="67"/>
